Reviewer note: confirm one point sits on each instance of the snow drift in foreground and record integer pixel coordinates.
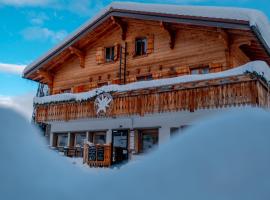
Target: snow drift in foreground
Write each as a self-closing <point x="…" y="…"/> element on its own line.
<point x="225" y="157"/>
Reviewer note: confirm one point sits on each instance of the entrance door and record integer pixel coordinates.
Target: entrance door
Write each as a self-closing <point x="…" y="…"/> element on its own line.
<point x="119" y="146"/>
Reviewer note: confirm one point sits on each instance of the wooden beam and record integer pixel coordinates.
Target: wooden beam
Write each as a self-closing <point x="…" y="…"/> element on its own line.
<point x="123" y="26"/>
<point x="172" y="33"/>
<point x="79" y="54"/>
<point x="241" y="41"/>
<point x="46" y="76"/>
<point x="226" y="39"/>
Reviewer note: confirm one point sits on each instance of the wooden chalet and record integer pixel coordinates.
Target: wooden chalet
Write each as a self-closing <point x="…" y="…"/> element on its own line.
<point x="137" y="74"/>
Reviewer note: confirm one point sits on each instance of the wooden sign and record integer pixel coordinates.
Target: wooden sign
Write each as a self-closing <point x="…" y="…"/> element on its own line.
<point x="92" y="153"/>
<point x="100" y="153"/>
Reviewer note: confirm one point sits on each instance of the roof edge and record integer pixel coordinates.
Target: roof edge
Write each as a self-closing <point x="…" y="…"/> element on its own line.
<point x="111" y="11"/>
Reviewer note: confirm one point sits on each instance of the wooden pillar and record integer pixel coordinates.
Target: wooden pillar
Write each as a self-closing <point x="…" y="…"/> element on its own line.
<point x="87" y="136"/>
<point x="52" y="140"/>
<point x="163" y="134"/>
<point x="69" y="139"/>
<point x="109" y="137"/>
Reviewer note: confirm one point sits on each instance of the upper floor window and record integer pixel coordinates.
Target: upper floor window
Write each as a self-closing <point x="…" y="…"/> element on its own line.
<point x="145" y="78"/>
<point x="141" y="46"/>
<point x="201" y="70"/>
<point x="68" y="90"/>
<point x="109" y="54"/>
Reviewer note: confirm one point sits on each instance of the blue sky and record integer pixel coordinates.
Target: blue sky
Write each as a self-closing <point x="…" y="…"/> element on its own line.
<point x="29" y="28"/>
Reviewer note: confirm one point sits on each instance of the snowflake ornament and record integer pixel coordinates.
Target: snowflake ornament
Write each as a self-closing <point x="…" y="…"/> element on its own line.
<point x="103" y="103"/>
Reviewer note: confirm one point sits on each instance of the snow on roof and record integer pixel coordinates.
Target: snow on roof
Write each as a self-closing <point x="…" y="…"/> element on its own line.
<point x="254" y="17"/>
<point x="257" y="66"/>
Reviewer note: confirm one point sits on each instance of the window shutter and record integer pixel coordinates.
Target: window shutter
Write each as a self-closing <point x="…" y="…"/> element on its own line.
<point x="150" y="44"/>
<point x="133" y="47"/>
<point x="116" y="51"/>
<point x="100" y="55"/>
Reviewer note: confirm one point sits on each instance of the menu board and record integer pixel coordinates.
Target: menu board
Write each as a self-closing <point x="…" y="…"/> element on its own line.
<point x="92" y="153"/>
<point x="100" y="153"/>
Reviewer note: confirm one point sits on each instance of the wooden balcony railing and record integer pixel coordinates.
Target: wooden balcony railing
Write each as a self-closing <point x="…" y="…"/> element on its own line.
<point x="216" y="93"/>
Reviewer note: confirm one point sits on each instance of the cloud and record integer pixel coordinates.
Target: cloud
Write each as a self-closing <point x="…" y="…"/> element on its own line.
<point x="21" y="103"/>
<point x="43" y="34"/>
<point x="11" y="68"/>
<point x="25" y="2"/>
<point x="79" y="7"/>
<point x="38" y="18"/>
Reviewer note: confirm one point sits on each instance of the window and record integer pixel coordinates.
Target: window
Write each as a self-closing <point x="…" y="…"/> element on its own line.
<point x="145" y="78"/>
<point x="202" y="70"/>
<point x="62" y="140"/>
<point x="99" y="138"/>
<point x="149" y="139"/>
<point x="79" y="138"/>
<point x="109" y="54"/>
<point x="68" y="90"/>
<point x="141" y="46"/>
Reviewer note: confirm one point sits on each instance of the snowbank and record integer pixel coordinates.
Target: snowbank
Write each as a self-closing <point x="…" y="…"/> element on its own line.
<point x="225" y="157"/>
<point x="29" y="170"/>
<point x="253" y="17"/>
<point x="257" y="66"/>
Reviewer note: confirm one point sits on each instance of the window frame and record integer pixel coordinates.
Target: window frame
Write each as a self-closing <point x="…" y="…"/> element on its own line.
<point x="76" y="139"/>
<point x="143" y="51"/>
<point x="58" y="140"/>
<point x="200" y="70"/>
<point x="112" y="54"/>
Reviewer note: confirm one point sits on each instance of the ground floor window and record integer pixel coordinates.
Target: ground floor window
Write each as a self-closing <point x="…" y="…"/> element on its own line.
<point x="148" y="138"/>
<point x="62" y="140"/>
<point x="98" y="138"/>
<point x="79" y="139"/>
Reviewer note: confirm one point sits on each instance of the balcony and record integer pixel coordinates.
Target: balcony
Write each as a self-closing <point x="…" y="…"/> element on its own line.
<point x="241" y="90"/>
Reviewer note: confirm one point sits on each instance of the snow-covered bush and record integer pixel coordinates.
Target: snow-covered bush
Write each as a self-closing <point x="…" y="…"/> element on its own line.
<point x="225" y="157"/>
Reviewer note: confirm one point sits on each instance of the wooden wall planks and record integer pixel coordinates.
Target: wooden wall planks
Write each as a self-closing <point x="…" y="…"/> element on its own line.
<point x="192" y="48"/>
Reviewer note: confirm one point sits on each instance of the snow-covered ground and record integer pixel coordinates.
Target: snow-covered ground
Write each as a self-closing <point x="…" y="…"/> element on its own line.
<point x="223" y="157"/>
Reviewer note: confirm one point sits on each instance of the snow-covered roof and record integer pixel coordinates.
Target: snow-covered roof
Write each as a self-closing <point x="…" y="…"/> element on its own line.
<point x="260" y="67"/>
<point x="255" y="19"/>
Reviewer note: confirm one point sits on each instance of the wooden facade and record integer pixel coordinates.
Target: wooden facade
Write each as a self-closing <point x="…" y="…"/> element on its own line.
<point x="123" y="46"/>
<point x="217" y="93"/>
<point x="172" y="50"/>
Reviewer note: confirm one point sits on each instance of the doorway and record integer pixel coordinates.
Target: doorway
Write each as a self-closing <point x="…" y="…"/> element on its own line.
<point x="119" y="146"/>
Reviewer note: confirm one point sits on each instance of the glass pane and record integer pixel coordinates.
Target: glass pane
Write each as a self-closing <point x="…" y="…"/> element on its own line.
<point x="109" y="54"/>
<point x="100" y="138"/>
<point x="141" y="46"/>
<point x="80" y="139"/>
<point x="195" y="71"/>
<point x="149" y="141"/>
<point x="62" y="140"/>
<point x="205" y="70"/>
